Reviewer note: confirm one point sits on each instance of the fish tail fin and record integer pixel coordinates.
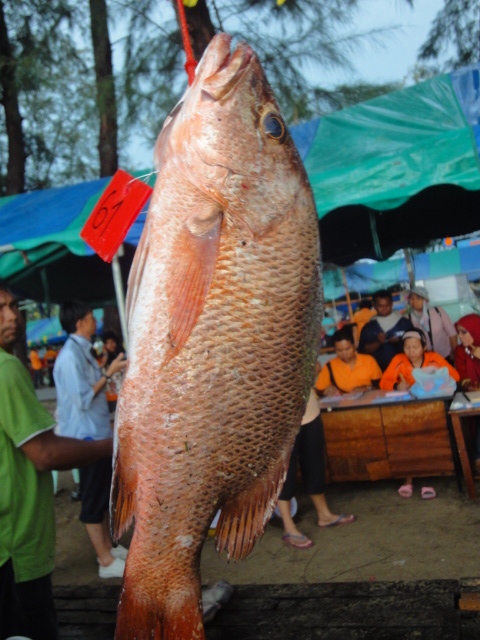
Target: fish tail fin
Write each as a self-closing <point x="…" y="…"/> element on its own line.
<point x="158" y="615"/>
<point x="122" y="498"/>
<point x="242" y="520"/>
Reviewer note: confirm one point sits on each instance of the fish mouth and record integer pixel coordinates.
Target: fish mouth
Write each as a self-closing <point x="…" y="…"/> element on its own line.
<point x="230" y="69"/>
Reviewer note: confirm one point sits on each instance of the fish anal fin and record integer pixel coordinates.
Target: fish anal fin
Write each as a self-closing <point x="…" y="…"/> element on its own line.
<point x="122" y="501"/>
<point x="188" y="287"/>
<point x="162" y="614"/>
<point x="242" y="520"/>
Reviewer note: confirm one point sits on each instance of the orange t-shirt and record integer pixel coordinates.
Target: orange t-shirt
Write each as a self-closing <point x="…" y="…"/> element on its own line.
<point x="50" y="354"/>
<point x="365" y="370"/>
<point x="363" y="316"/>
<point x="35" y="361"/>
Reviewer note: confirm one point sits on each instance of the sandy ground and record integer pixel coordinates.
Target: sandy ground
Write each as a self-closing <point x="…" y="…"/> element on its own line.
<point x="393" y="539"/>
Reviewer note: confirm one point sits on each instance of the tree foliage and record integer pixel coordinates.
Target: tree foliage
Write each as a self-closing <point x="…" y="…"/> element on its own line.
<point x="53" y="77"/>
<point x="453" y="40"/>
<point x="293" y="41"/>
<point x="54" y="70"/>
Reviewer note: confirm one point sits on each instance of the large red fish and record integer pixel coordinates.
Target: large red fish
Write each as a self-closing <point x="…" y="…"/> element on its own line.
<point x="224" y="313"/>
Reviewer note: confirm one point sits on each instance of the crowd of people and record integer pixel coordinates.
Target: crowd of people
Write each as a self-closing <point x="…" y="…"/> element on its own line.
<point x="381" y="349"/>
<point x="41" y="363"/>
<point x="401" y="344"/>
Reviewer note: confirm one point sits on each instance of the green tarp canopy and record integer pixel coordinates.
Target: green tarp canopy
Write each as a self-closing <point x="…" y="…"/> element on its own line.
<point x="398" y="170"/>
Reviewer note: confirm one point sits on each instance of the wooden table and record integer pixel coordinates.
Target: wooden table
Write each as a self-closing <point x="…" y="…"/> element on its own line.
<point x="459" y="410"/>
<point x="378" y="435"/>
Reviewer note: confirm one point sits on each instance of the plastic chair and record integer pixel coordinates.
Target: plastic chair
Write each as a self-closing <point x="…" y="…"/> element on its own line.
<point x="76" y="479"/>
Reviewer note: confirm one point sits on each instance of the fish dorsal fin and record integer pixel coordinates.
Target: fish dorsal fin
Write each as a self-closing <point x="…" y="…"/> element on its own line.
<point x="193" y="266"/>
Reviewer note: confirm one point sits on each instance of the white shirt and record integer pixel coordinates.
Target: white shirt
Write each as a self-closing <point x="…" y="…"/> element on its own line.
<point x="80" y="413"/>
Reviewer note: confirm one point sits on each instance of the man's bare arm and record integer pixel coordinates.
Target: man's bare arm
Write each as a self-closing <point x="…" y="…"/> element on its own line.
<point x="48" y="451"/>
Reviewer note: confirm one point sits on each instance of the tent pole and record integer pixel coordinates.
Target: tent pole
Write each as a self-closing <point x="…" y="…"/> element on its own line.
<point x="119" y="294"/>
<point x="410" y="267"/>
<point x="347" y="293"/>
<point x="46" y="290"/>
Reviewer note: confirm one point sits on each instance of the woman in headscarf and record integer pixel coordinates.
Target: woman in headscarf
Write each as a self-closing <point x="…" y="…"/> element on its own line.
<point x="467" y="354"/>
<point x="467" y="363"/>
<point x="434" y="322"/>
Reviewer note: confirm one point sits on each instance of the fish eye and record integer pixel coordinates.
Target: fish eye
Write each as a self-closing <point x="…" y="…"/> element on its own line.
<point x="274" y="127"/>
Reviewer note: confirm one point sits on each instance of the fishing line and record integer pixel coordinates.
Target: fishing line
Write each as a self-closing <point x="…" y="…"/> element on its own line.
<point x="143" y="178"/>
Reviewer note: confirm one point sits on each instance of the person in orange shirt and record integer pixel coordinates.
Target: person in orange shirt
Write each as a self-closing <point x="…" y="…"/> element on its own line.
<point x="37" y="367"/>
<point x="364" y="314"/>
<point x="399" y="376"/>
<point x="399" y="373"/>
<point x="349" y="371"/>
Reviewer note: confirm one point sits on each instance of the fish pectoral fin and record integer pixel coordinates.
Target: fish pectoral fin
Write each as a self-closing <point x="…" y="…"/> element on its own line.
<point x="188" y="287"/>
<point x="122" y="497"/>
<point x="242" y="520"/>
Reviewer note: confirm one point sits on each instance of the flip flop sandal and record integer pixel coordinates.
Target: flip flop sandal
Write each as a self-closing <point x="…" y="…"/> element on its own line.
<point x="406" y="491"/>
<point x="428" y="493"/>
<point x="297" y="542"/>
<point x="341" y="520"/>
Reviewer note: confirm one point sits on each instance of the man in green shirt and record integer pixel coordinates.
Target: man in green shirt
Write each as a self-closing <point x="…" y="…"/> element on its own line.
<point x="29" y="450"/>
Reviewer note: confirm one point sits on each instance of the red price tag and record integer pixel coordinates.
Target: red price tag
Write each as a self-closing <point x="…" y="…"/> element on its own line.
<point x="114" y="214"/>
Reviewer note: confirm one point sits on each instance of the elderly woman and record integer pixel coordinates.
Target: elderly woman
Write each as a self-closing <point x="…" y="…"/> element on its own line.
<point x="434" y="321"/>
<point x="399" y="375"/>
<point x="467" y="362"/>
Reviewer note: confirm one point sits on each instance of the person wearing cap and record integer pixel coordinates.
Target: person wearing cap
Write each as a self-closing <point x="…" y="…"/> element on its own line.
<point x="440" y="331"/>
<point x="399" y="376"/>
<point x="381" y="337"/>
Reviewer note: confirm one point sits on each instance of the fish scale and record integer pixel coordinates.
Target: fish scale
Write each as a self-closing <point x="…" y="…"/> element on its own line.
<point x="224" y="322"/>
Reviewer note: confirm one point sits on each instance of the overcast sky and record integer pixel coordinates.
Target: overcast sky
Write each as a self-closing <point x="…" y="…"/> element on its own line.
<point x="393" y="60"/>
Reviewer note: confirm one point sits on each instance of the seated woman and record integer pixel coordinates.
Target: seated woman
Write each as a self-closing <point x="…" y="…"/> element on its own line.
<point x="467" y="362"/>
<point x="399" y="375"/>
<point x="349" y="371"/>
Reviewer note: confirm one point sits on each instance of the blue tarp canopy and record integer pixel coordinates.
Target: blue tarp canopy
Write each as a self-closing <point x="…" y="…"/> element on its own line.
<point x="49" y="331"/>
<point x="367" y="278"/>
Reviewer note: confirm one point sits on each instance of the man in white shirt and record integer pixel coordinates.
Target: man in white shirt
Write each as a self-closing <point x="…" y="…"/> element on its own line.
<point x="82" y="412"/>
